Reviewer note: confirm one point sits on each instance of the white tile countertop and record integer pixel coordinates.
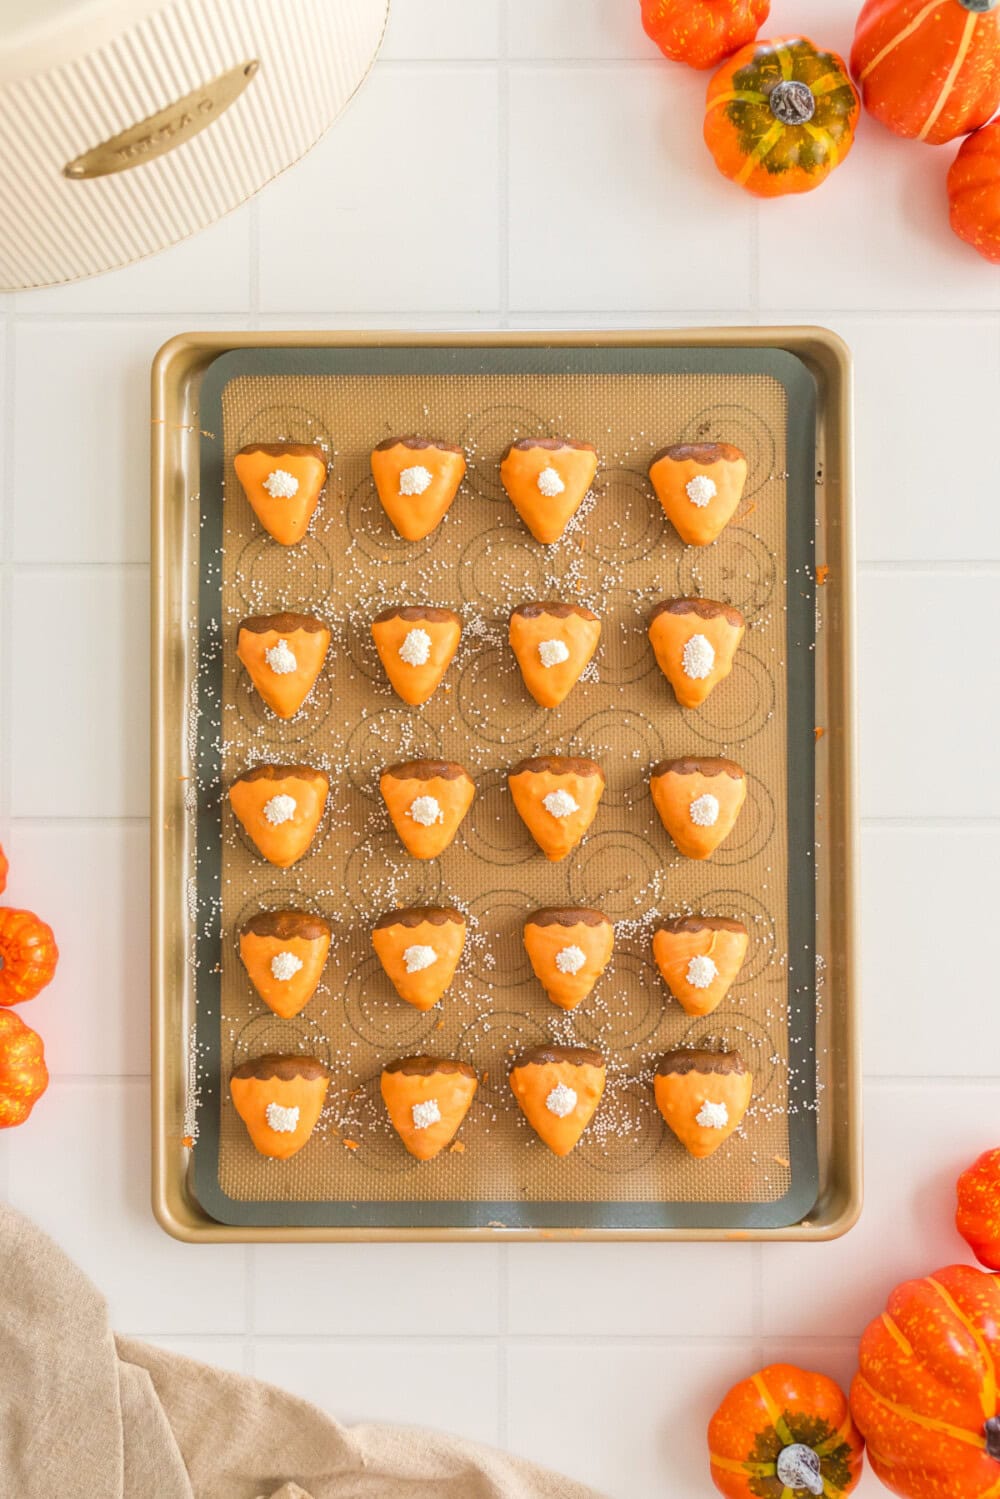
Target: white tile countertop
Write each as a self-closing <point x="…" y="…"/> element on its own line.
<point x="567" y="156"/>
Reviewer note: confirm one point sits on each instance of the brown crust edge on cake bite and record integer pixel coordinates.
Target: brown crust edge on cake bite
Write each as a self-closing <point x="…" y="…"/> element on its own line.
<point x="557" y="765"/>
<point x="550" y="444"/>
<point x="284" y="1067"/>
<point x="425" y="1066"/>
<point x="568" y="916"/>
<point x="704" y="608"/>
<point x="705" y="765"/>
<point x="683" y="1059"/>
<point x="554" y="608"/>
<point x="705" y="453"/>
<point x="411" y="612"/>
<point x="284" y="623"/>
<point x="282" y="773"/>
<point x="416" y="915"/>
<point x="427" y="770"/>
<point x="417" y="444"/>
<point x="701" y="924"/>
<point x="577" y="1056"/>
<point x="285" y="924"/>
<point x="289" y="449"/>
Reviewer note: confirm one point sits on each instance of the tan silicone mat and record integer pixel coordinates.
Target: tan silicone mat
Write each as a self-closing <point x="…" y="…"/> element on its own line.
<point x="620" y="556"/>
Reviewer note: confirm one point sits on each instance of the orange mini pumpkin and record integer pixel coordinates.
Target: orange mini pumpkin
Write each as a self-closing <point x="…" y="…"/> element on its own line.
<point x="977" y="1216"/>
<point x="23" y="1074"/>
<point x="784" y="1430"/>
<point x="780" y="116"/>
<point x="702" y="32"/>
<point x="28" y="955"/>
<point x="974" y="192"/>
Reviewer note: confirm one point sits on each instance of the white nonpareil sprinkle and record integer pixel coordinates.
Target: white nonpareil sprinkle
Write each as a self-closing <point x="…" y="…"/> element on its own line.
<point x="415" y="480"/>
<point x="426" y="1114"/>
<point x="705" y="810"/>
<point x="283" y="1121"/>
<point x="417" y="958"/>
<point x="560" y="803"/>
<point x="553" y="652"/>
<point x="426" y="810"/>
<point x="281" y="659"/>
<point x="712" y="1115"/>
<point x="698" y="657"/>
<point x="280" y="809"/>
<point x="700" y="490"/>
<point x="570" y="959"/>
<point x="416" y="648"/>
<point x="561" y="1101"/>
<point x="285" y="965"/>
<point x="701" y="971"/>
<point x="281" y="485"/>
<point x="550" y="483"/>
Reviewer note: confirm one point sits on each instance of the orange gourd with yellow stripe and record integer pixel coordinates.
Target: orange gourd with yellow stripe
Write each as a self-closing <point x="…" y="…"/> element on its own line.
<point x="925" y="1397"/>
<point x="928" y="69"/>
<point x="784" y="1431"/>
<point x="702" y="32"/>
<point x="780" y="116"/>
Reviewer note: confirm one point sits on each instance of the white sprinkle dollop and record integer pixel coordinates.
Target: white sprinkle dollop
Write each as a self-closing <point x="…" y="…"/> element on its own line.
<point x="698" y="657"/>
<point x="712" y="1115"/>
<point x="285" y="965"/>
<point x="560" y="803"/>
<point x="281" y="485"/>
<point x="415" y="480"/>
<point x="281" y="659"/>
<point x="426" y="1114"/>
<point x="705" y="810"/>
<point x="418" y="957"/>
<point x="550" y="483"/>
<point x="426" y="810"/>
<point x="570" y="959"/>
<point x="561" y="1101"/>
<point x="280" y="809"/>
<point x="416" y="648"/>
<point x="553" y="652"/>
<point x="283" y="1121"/>
<point x="701" y="971"/>
<point x="700" y="490"/>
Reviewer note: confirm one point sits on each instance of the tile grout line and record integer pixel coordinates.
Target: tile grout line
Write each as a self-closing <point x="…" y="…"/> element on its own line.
<point x="636" y="318"/>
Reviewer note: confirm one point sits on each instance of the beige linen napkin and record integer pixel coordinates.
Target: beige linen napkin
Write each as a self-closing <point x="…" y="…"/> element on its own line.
<point x="83" y="1413"/>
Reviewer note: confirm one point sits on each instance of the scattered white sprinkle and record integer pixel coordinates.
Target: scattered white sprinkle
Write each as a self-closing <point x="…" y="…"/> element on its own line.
<point x="560" y="803"/>
<point x="570" y="959"/>
<point x="700" y="490"/>
<point x="701" y="971"/>
<point x="280" y="809"/>
<point x="550" y="483"/>
<point x="705" y="810"/>
<point x="416" y="648"/>
<point x="283" y="1121"/>
<point x="426" y="810"/>
<point x="415" y="480"/>
<point x="281" y="659"/>
<point x="712" y="1115"/>
<point x="418" y="957"/>
<point x="281" y="485"/>
<point x="561" y="1101"/>
<point x="553" y="652"/>
<point x="426" y="1114"/>
<point x="698" y="657"/>
<point x="285" y="965"/>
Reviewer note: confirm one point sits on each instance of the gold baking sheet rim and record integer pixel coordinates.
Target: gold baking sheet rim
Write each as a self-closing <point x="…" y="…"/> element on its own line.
<point x="177" y="423"/>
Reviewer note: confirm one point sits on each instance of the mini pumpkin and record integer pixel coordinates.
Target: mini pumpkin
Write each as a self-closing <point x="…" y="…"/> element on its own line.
<point x="702" y="32"/>
<point x="28" y="955"/>
<point x="23" y="1074"/>
<point x="977" y="1216"/>
<point x="780" y="116"/>
<point x="784" y="1431"/>
<point x="974" y="192"/>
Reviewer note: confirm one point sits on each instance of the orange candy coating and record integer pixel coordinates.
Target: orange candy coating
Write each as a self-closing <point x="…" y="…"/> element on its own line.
<point x="525" y="472"/>
<point x="396" y="465"/>
<point x="414" y="1089"/>
<point x="261" y="467"/>
<point x="253" y="796"/>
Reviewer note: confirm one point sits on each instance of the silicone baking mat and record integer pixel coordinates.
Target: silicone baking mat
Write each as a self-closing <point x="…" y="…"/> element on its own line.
<point x="620" y="556"/>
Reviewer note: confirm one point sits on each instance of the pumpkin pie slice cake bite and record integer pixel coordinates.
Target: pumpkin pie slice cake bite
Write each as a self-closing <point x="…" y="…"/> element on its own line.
<point x="547" y="480"/>
<point x="280" y="807"/>
<point x="417" y="478"/>
<point x="416" y="644"/>
<point x="553" y="642"/>
<point x="426" y="1099"/>
<point x="556" y="797"/>
<point x="699" y="957"/>
<point x="558" y="1089"/>
<point x="698" y="801"/>
<point x="699" y="485"/>
<point x="279" y="1099"/>
<point x="569" y="948"/>
<point x="427" y="800"/>
<point x="419" y="949"/>
<point x="703" y="1096"/>
<point x="695" y="641"/>
<point x="283" y="482"/>
<point x="283" y="654"/>
<point x="284" y="953"/>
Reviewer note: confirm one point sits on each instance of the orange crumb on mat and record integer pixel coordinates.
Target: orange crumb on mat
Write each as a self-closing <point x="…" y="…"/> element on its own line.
<point x="439" y="1026"/>
<point x="457" y="1148"/>
<point x="188" y="1141"/>
<point x="818" y="732"/>
<point x="485" y="1077"/>
<point x="350" y="1144"/>
<point x="749" y="510"/>
<point x="782" y="1161"/>
<point x="822" y="573"/>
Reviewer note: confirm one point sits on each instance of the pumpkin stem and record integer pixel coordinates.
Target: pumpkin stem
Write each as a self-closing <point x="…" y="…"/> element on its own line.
<point x="980" y="7"/>
<point x="992" y="1430"/>
<point x="793" y="102"/>
<point x="798" y="1467"/>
